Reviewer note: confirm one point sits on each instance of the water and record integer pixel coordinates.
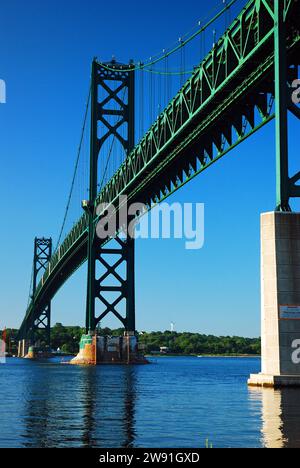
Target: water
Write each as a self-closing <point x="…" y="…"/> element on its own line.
<point x="175" y="402"/>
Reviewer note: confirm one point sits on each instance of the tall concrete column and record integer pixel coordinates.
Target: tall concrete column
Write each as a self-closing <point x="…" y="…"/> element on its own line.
<point x="23" y="347"/>
<point x="280" y="300"/>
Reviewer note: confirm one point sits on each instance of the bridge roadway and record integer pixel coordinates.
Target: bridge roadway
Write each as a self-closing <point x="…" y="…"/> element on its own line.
<point x="229" y="96"/>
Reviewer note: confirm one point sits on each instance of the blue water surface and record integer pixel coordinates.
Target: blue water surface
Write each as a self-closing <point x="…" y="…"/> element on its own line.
<point x="174" y="402"/>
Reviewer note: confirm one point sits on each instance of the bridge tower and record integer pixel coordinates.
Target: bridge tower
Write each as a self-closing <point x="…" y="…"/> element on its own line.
<point x="102" y="74"/>
<point x="42" y="321"/>
<point x="118" y="82"/>
<point x="42" y="255"/>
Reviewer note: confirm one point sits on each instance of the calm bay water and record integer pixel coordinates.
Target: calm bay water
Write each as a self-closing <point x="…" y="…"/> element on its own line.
<point x="174" y="402"/>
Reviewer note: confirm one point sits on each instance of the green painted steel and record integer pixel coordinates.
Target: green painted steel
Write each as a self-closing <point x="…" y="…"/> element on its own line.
<point x="281" y="98"/>
<point x="85" y="340"/>
<point x="285" y="186"/>
<point x="94" y="154"/>
<point x="41" y="321"/>
<point x="105" y="76"/>
<point x="229" y="97"/>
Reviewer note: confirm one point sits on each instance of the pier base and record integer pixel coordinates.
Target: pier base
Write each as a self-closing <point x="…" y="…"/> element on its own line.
<point x="280" y="304"/>
<point x="28" y="351"/>
<point x="274" y="381"/>
<point x="96" y="350"/>
<point x="32" y="354"/>
<point x="37" y="352"/>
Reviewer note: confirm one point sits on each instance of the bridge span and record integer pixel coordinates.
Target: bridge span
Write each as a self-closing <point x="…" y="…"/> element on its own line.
<point x="241" y="85"/>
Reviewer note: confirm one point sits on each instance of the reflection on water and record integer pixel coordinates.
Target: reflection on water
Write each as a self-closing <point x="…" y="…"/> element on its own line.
<point x="280" y="416"/>
<point x="175" y="402"/>
<point x="87" y="416"/>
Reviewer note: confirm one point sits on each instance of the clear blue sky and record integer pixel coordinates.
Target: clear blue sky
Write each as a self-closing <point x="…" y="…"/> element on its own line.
<point x="46" y="51"/>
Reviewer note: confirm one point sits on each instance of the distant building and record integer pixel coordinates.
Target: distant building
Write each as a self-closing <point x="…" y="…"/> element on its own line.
<point x="164" y="350"/>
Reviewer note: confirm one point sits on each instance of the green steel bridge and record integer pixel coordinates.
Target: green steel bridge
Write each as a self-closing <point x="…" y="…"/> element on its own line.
<point x="243" y="83"/>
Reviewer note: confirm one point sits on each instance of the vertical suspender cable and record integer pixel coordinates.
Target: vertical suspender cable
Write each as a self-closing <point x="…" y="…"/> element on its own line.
<point x="75" y="169"/>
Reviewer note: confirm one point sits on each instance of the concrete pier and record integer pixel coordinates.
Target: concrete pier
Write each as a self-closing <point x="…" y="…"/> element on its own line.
<point x="280" y="300"/>
<point x="109" y="350"/>
<point x="27" y="350"/>
<point x="23" y="348"/>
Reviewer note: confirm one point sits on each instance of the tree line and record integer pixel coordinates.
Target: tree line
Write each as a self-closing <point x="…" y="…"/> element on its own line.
<point x="67" y="339"/>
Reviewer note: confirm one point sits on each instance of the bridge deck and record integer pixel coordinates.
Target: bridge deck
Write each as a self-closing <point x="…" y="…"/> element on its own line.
<point x="229" y="97"/>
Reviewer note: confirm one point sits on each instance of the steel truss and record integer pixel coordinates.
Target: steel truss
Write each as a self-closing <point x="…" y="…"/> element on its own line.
<point x="238" y="88"/>
<point x="41" y="321"/>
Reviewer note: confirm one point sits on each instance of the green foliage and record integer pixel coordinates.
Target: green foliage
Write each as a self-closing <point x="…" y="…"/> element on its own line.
<point x="68" y="338"/>
<point x="194" y="343"/>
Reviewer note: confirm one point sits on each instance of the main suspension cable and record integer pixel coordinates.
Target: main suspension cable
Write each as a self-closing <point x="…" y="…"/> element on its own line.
<point x="76" y="167"/>
<point x="30" y="287"/>
<point x="182" y="43"/>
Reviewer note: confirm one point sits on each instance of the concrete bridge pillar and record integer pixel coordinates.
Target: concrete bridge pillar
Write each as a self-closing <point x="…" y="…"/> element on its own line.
<point x="109" y="350"/>
<point x="23" y="347"/>
<point x="280" y="300"/>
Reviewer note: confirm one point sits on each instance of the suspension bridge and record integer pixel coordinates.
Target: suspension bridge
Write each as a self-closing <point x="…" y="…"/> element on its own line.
<point x="230" y="86"/>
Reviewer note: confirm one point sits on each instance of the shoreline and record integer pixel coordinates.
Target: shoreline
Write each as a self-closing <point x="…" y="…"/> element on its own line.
<point x="162" y="356"/>
<point x="205" y="355"/>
